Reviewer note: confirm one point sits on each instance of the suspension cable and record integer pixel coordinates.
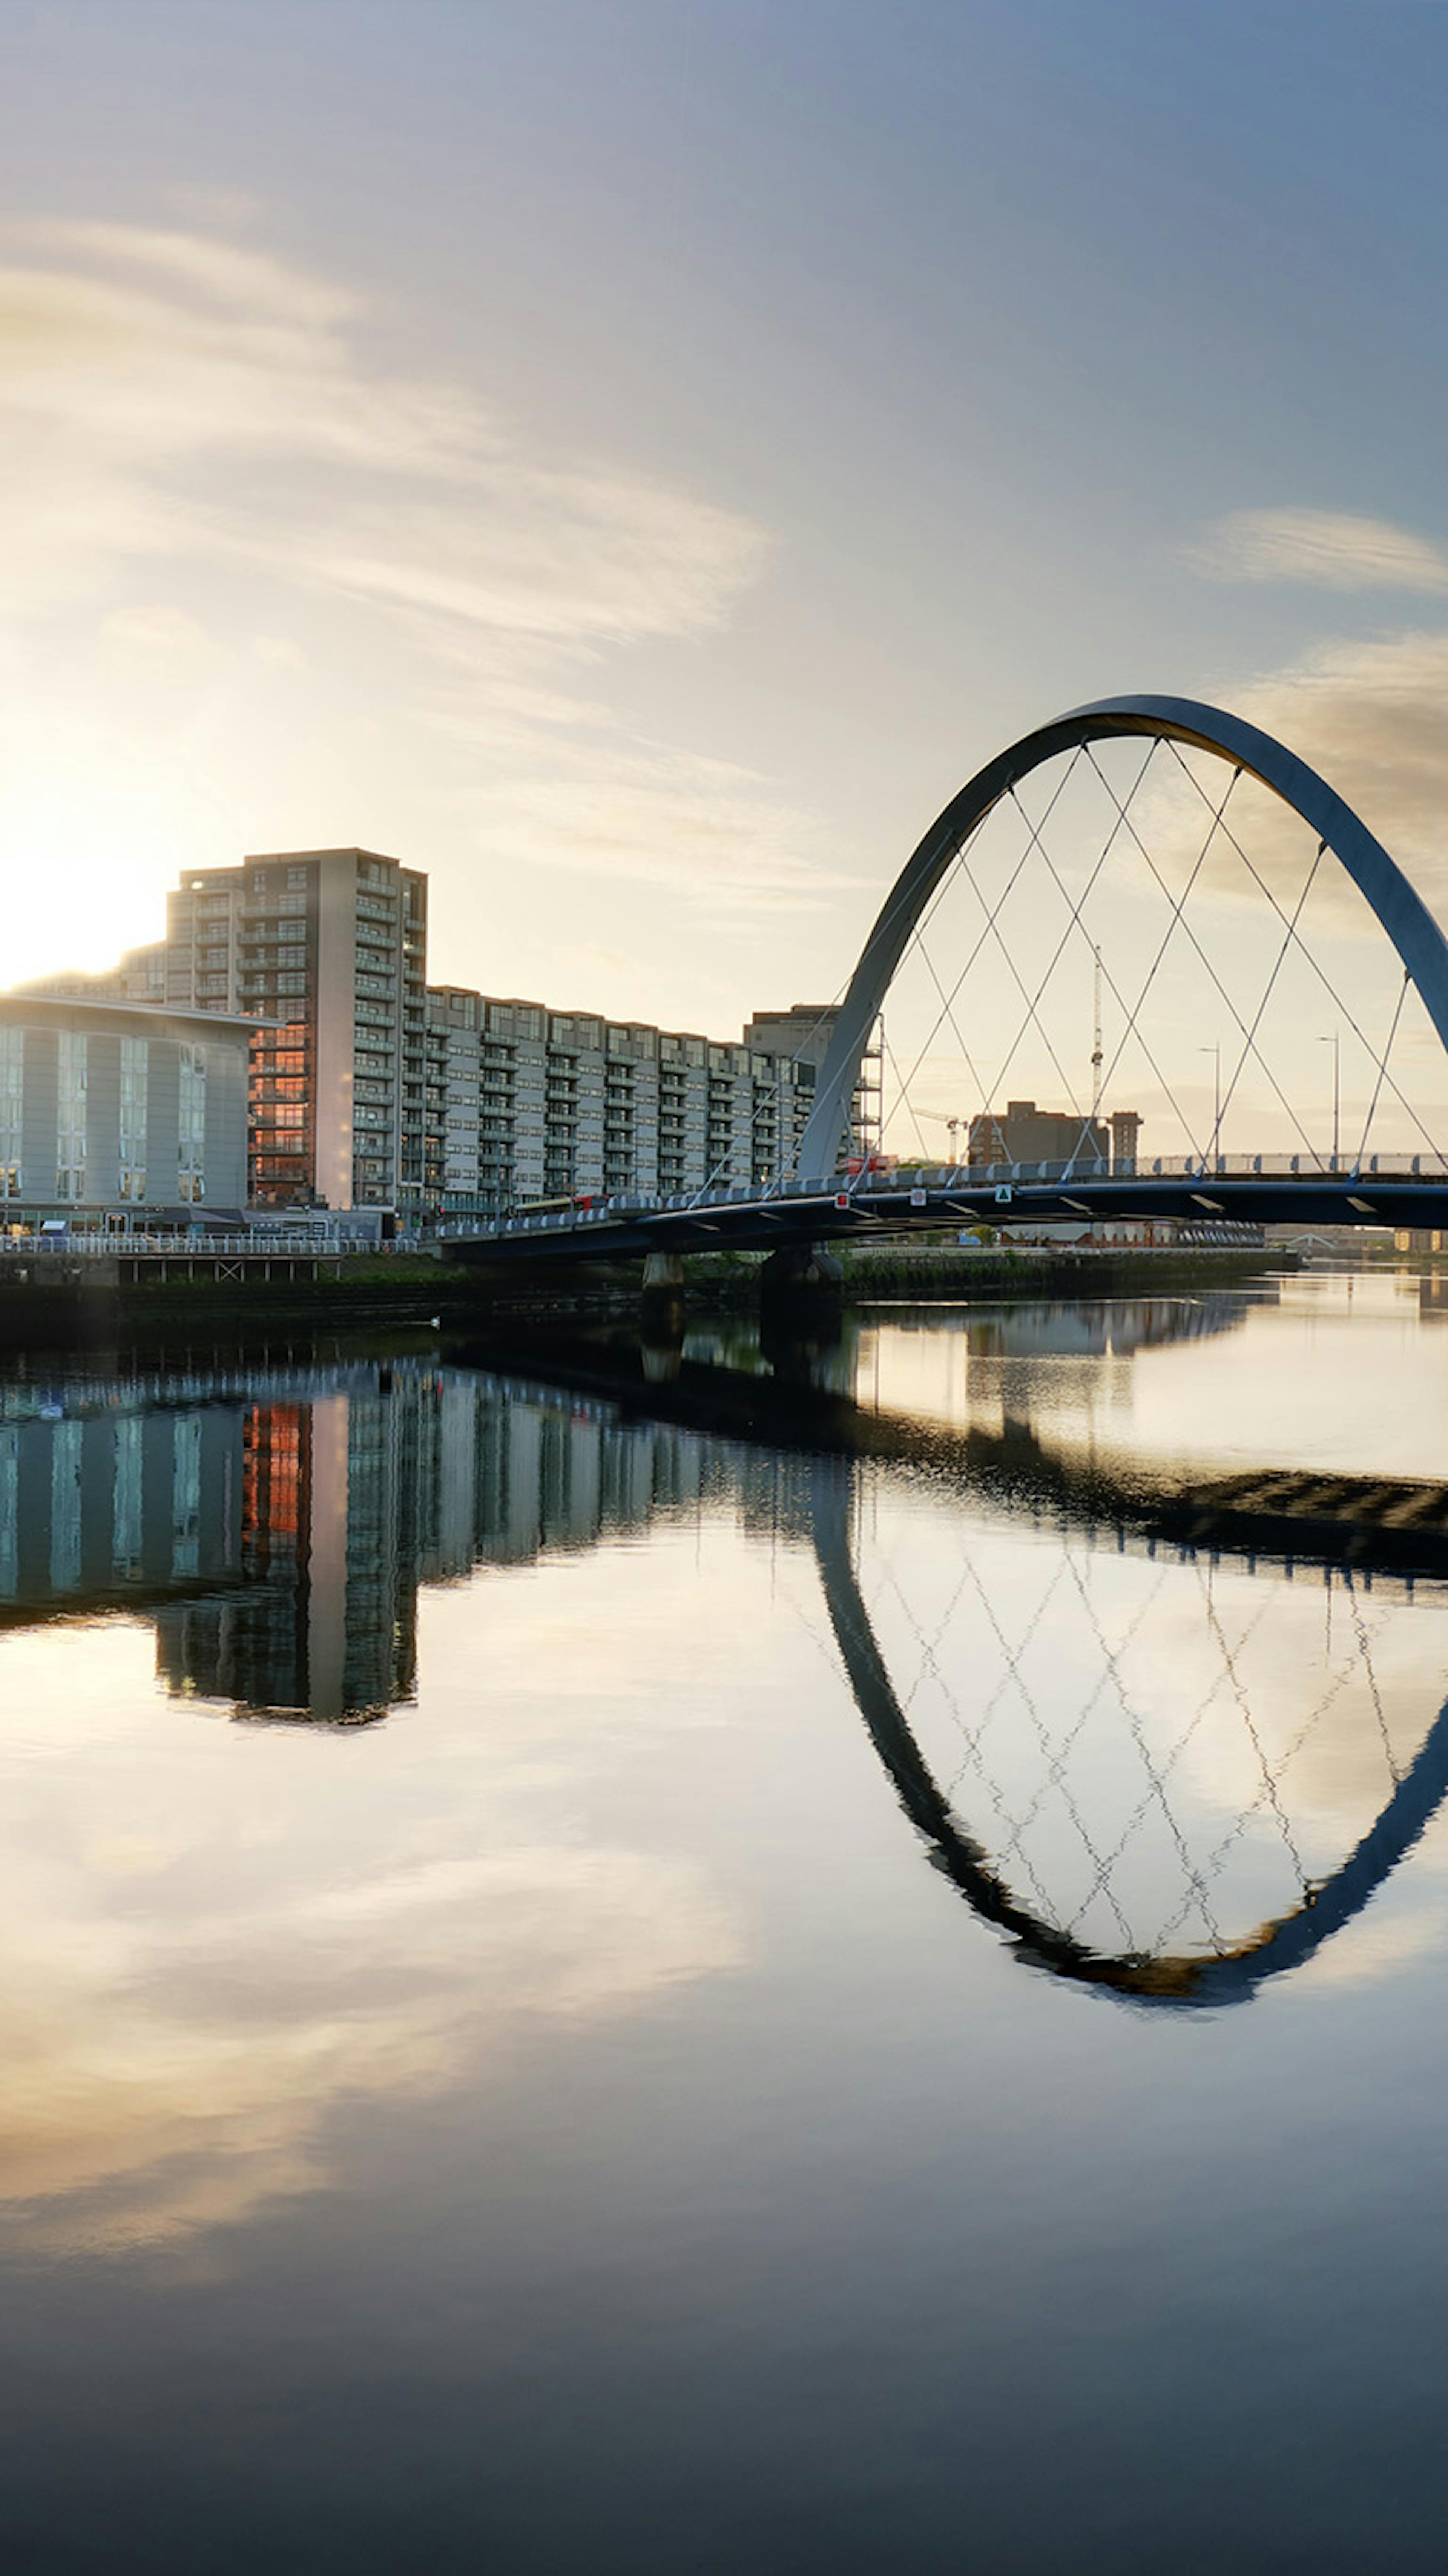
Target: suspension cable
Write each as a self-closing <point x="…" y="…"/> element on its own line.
<point x="1075" y="911"/>
<point x="1132" y="1016"/>
<point x="1217" y="824"/>
<point x="1177" y="910"/>
<point x="1249" y="1043"/>
<point x="961" y="863"/>
<point x="1319" y="971"/>
<point x="1383" y="1069"/>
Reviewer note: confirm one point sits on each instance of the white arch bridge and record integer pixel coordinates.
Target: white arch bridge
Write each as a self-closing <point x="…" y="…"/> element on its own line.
<point x="1216" y="897"/>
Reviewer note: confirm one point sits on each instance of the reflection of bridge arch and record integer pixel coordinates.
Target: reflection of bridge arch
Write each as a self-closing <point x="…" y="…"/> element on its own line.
<point x="1401" y="912"/>
<point x="1231" y="1976"/>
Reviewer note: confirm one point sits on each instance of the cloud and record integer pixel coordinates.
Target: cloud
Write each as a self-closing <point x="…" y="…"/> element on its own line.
<point x="1373" y="718"/>
<point x="156" y="632"/>
<point x="198" y="438"/>
<point x="1369" y="716"/>
<point x="652" y="816"/>
<point x="138" y="2111"/>
<point x="1327" y="548"/>
<point x="182" y="396"/>
<point x="193" y="1997"/>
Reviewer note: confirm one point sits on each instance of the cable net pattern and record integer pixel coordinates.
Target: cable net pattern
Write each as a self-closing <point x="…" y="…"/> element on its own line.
<point x="1159" y="1757"/>
<point x="1144" y="927"/>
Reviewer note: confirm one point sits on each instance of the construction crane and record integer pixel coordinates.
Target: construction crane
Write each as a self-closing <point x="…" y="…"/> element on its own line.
<point x="953" y="1126"/>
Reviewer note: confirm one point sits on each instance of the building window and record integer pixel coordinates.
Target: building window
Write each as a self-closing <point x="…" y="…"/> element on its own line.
<point x="70" y="1142"/>
<point x="135" y="1054"/>
<point x="192" y="1141"/>
<point x="12" y="1100"/>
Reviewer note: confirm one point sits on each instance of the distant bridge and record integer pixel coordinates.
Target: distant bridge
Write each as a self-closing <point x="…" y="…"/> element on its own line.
<point x="1307" y="1189"/>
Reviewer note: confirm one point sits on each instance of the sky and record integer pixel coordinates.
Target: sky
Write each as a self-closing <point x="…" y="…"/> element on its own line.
<point x="635" y="458"/>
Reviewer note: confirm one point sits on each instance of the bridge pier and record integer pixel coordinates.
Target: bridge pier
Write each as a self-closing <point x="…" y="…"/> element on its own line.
<point x="799" y="1292"/>
<point x="799" y="1265"/>
<point x="661" y="1305"/>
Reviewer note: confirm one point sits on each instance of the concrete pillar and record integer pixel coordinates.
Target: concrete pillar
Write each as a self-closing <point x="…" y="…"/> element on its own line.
<point x="800" y="1266"/>
<point x="664" y="1272"/>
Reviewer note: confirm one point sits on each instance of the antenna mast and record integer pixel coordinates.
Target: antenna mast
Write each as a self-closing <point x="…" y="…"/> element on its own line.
<point x="1096" y="1049"/>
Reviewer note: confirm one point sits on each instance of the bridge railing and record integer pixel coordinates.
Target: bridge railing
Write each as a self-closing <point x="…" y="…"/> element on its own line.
<point x="947" y="1177"/>
<point x="227" y="1247"/>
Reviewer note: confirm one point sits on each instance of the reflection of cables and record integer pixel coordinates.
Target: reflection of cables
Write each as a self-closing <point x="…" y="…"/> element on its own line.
<point x="1366" y="1652"/>
<point x="1154" y="1977"/>
<point x="1269" y="1780"/>
<point x="1313" y="1720"/>
<point x="972" y="1625"/>
<point x="1056" y="1775"/>
<point x="1011" y="1677"/>
<point x="1156" y="1792"/>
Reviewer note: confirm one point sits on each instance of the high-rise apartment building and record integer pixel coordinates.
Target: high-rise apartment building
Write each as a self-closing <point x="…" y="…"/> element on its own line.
<point x="527" y="1103"/>
<point x="803" y="1032"/>
<point x="328" y="949"/>
<point x="369" y="1089"/>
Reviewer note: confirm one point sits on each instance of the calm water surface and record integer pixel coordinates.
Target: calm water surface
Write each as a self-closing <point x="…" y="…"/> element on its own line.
<point x="654" y="1961"/>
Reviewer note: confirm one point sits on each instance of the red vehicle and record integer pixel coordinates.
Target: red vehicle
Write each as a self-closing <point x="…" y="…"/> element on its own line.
<point x="572" y="1203"/>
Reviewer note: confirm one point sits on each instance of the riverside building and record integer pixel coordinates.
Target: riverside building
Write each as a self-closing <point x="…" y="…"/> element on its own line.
<point x="1022" y="1133"/>
<point x="527" y="1103"/>
<point x="115" y="1113"/>
<point x="328" y="948"/>
<point x="370" y="1089"/>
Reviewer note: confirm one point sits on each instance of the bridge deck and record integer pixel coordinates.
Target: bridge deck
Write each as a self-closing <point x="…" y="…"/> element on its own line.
<point x="1246" y="1190"/>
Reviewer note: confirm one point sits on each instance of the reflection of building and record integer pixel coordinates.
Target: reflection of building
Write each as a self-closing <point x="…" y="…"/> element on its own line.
<point x="326" y="1623"/>
<point x="1022" y="1133"/>
<point x="1113" y="1327"/>
<point x="110" y="1110"/>
<point x="112" y="1503"/>
<point x="278" y="1523"/>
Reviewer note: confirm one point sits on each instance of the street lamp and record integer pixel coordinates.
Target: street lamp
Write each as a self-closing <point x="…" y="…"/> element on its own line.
<point x="1215" y="1052"/>
<point x="1335" y="1043"/>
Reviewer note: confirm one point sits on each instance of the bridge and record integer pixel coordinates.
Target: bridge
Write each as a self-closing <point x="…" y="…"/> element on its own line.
<point x="1260" y="1190"/>
<point x="1105" y="900"/>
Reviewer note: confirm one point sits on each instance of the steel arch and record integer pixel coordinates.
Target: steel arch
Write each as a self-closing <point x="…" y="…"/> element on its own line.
<point x="1401" y="912"/>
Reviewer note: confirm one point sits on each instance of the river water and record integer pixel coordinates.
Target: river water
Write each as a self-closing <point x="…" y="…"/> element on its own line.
<point x="646" y="1960"/>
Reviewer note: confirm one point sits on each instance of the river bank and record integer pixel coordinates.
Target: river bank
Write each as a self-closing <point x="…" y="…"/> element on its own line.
<point x="62" y="1302"/>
